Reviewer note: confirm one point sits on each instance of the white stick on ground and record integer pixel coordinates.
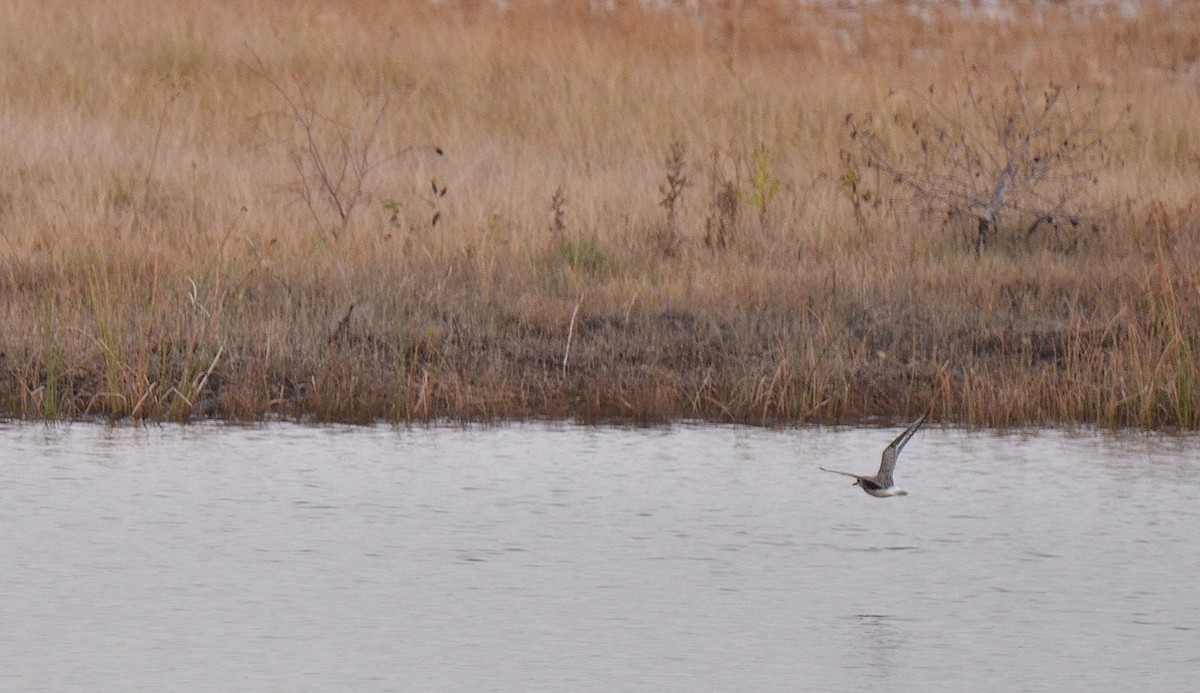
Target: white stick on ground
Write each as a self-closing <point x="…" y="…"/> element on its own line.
<point x="571" y="333"/>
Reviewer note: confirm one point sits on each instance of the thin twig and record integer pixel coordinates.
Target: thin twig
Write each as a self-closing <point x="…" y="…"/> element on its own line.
<point x="629" y="308"/>
<point x="137" y="408"/>
<point x="571" y="333"/>
<point x="198" y="387"/>
<point x="162" y="118"/>
<point x="194" y="297"/>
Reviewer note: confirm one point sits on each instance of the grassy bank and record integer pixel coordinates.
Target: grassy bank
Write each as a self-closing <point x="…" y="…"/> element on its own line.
<point x="365" y="210"/>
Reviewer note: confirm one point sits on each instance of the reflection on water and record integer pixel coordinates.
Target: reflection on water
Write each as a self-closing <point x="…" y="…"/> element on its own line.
<point x="881" y="641"/>
<point x="568" y="558"/>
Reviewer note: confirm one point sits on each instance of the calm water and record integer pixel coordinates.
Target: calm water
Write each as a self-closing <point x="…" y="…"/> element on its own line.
<point x="542" y="558"/>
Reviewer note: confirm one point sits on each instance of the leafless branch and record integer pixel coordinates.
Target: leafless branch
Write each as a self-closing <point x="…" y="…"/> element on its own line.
<point x="1004" y="159"/>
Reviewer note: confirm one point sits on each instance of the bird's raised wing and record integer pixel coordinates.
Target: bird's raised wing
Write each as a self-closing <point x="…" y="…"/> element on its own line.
<point x="855" y="476"/>
<point x="888" y="465"/>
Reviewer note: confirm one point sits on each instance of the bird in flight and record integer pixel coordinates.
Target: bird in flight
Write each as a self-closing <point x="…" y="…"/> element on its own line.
<point x="881" y="485"/>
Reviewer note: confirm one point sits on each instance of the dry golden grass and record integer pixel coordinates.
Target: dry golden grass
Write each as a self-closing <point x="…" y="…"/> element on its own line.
<point x="168" y="249"/>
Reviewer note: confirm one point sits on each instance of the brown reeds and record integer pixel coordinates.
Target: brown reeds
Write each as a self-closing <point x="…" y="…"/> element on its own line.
<point x="241" y="210"/>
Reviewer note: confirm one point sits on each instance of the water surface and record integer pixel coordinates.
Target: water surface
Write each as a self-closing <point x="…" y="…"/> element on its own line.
<point x="561" y="558"/>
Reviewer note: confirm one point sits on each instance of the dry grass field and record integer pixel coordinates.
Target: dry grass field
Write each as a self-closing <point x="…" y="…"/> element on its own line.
<point x="756" y="211"/>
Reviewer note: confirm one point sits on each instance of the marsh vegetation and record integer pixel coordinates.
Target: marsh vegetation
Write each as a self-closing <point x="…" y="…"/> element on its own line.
<point x="764" y="213"/>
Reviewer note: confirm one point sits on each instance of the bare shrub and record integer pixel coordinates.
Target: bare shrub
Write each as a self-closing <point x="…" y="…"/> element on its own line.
<point x="333" y="160"/>
<point x="730" y="200"/>
<point x="558" y="208"/>
<point x="723" y="213"/>
<point x="672" y="192"/>
<point x="1006" y="160"/>
<point x="764" y="186"/>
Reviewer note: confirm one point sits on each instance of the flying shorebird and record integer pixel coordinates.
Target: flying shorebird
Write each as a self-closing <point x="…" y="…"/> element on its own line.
<point x="881" y="485"/>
